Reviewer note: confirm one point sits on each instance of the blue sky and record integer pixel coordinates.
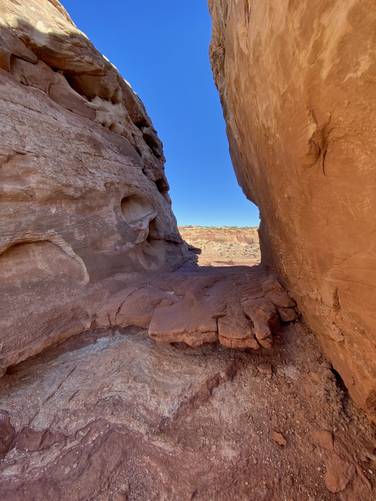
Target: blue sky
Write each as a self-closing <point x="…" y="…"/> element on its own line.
<point x="161" y="48"/>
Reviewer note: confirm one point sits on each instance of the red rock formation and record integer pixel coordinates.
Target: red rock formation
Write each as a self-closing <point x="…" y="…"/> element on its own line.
<point x="296" y="81"/>
<point x="88" y="238"/>
<point x="87" y="243"/>
<point x="83" y="193"/>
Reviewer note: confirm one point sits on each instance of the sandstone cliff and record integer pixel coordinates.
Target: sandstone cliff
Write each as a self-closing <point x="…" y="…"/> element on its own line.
<point x="83" y="193"/>
<point x="297" y="83"/>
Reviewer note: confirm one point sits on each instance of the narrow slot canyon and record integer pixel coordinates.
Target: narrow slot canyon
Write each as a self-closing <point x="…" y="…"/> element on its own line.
<point x="149" y="348"/>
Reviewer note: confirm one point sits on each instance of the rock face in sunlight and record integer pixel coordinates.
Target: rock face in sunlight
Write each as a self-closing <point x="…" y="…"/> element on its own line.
<point x="83" y="193"/>
<point x="296" y="81"/>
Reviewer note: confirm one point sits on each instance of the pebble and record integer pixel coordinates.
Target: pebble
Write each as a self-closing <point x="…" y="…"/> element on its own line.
<point x="279" y="439"/>
<point x="323" y="439"/>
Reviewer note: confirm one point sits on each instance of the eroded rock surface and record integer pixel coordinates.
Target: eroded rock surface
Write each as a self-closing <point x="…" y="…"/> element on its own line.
<point x="237" y="307"/>
<point x="297" y="85"/>
<point x="111" y="415"/>
<point x="83" y="194"/>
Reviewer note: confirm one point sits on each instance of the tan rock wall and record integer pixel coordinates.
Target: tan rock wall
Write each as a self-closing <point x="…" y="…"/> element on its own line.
<point x="297" y="82"/>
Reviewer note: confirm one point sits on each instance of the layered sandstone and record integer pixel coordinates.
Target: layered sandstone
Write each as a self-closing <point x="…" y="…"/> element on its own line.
<point x="296" y="81"/>
<point x="224" y="246"/>
<point x="83" y="190"/>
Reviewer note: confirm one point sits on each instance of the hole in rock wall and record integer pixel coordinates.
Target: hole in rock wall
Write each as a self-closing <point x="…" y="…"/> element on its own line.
<point x="141" y="122"/>
<point x="162" y="185"/>
<point x="136" y="209"/>
<point x="89" y="86"/>
<point x="152" y="231"/>
<point x="150" y="140"/>
<point x="141" y="216"/>
<point x="28" y="262"/>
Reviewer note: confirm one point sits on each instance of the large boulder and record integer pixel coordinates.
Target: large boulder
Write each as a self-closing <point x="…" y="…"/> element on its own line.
<point x="297" y="83"/>
<point x="83" y="194"/>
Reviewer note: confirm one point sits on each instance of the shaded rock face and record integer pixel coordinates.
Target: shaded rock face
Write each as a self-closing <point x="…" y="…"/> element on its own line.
<point x="83" y="194"/>
<point x="296" y="81"/>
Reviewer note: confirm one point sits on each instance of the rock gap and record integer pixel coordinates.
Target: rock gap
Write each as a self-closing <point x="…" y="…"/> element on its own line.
<point x="99" y="288"/>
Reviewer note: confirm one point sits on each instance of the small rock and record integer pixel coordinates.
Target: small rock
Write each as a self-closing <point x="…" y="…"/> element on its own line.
<point x="279" y="439"/>
<point x="290" y="371"/>
<point x="339" y="474"/>
<point x="323" y="439"/>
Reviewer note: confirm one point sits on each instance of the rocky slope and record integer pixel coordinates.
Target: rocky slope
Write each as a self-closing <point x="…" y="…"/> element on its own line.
<point x="296" y="81"/>
<point x="224" y="246"/>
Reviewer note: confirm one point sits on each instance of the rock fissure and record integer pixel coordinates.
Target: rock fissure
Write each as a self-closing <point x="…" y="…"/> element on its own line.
<point x="118" y="353"/>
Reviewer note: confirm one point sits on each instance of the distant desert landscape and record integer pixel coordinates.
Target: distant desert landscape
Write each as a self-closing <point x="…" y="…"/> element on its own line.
<point x="225" y="245"/>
